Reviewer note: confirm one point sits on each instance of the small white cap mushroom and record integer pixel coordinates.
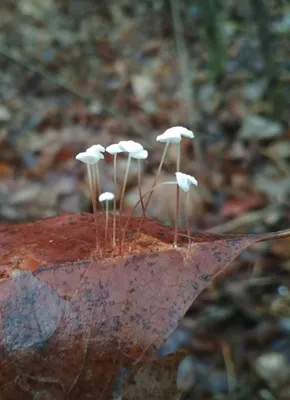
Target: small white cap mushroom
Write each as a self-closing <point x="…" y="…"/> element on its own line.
<point x="130" y="146"/>
<point x="106" y="196"/>
<point x="174" y="135"/>
<point x="140" y="155"/>
<point x="114" y="149"/>
<point x="96" y="148"/>
<point x="184" y="181"/>
<point x="181" y="130"/>
<point x="89" y="158"/>
<point x="169" y="137"/>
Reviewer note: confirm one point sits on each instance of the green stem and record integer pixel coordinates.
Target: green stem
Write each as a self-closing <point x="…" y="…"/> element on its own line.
<point x="216" y="46"/>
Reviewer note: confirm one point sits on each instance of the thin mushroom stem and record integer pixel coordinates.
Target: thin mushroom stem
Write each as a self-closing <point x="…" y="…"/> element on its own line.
<point x="136" y="205"/>
<point x="106" y="223"/>
<point x="92" y="182"/>
<point x="97" y="180"/>
<point x="115" y="195"/>
<point x="187" y="217"/>
<point x="157" y="174"/>
<point x="139" y="187"/>
<point x="132" y="148"/>
<point x="185" y="182"/>
<point x="123" y="190"/>
<point x="106" y="197"/>
<point x="177" y="196"/>
<point x="125" y="183"/>
<point x="153" y="185"/>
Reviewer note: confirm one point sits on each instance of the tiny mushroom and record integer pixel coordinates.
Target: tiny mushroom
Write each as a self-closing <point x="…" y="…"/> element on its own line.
<point x="131" y="148"/>
<point x="96" y="148"/>
<point x="169" y="137"/>
<point x="172" y="135"/>
<point x="181" y="130"/>
<point x="185" y="181"/>
<point x="106" y="197"/>
<point x="177" y="132"/>
<point x="140" y="155"/>
<point x="91" y="158"/>
<point x="114" y="149"/>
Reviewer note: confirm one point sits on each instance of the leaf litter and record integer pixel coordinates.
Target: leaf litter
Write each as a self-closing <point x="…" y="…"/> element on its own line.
<point x="220" y="114"/>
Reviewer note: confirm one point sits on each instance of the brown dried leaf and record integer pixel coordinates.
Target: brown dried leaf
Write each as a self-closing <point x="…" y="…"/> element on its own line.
<point x="73" y="321"/>
<point x="250" y="201"/>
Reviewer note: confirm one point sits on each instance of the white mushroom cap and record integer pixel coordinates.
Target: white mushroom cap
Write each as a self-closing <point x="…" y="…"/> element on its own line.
<point x="130" y="146"/>
<point x="181" y="130"/>
<point x="96" y="148"/>
<point x="89" y="158"/>
<point x="169" y="137"/>
<point x="174" y="135"/>
<point x="114" y="149"/>
<point x="140" y="155"/>
<point x="106" y="196"/>
<point x="184" y="181"/>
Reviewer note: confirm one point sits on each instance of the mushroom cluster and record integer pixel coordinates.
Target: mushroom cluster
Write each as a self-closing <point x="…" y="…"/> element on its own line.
<point x="94" y="154"/>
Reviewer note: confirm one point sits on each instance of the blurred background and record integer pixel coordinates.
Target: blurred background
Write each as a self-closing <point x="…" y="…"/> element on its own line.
<point x="81" y="72"/>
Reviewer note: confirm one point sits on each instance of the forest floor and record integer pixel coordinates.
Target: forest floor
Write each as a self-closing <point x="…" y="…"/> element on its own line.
<point x="76" y="74"/>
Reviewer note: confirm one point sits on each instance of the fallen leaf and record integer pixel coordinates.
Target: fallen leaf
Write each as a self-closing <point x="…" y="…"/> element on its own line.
<point x="73" y="321"/>
<point x="161" y="374"/>
<point x="6" y="171"/>
<point x="250" y="201"/>
<point x="279" y="150"/>
<point x="259" y="128"/>
<point x="281" y="248"/>
<point x="276" y="188"/>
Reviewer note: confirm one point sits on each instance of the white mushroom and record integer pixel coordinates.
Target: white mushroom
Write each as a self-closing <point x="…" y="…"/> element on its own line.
<point x="106" y="197"/>
<point x="130" y="147"/>
<point x="114" y="149"/>
<point x="185" y="181"/>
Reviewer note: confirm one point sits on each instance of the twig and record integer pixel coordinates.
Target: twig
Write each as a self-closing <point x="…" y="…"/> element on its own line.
<point x="280" y="163"/>
<point x="57" y="80"/>
<point x="230" y="367"/>
<point x="237" y="77"/>
<point x="250" y="218"/>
